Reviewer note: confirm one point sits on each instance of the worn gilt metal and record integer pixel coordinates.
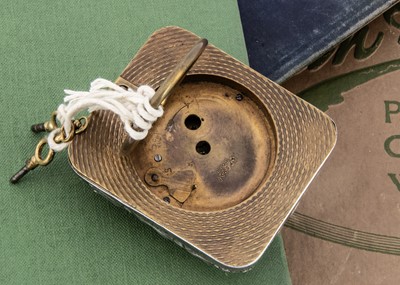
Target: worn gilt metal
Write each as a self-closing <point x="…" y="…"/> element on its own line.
<point x="223" y="168"/>
<point x="43" y="157"/>
<point x="169" y="84"/>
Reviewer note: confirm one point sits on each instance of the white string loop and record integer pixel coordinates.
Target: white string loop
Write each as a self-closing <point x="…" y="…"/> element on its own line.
<point x="133" y="108"/>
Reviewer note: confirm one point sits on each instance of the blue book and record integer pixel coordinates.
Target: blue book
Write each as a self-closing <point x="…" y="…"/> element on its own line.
<point x="284" y="36"/>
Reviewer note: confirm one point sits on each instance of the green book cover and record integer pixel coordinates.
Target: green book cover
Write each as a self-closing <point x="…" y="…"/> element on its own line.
<point x="53" y="228"/>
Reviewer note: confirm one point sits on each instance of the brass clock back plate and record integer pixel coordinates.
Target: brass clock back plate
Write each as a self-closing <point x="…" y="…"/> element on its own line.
<point x="223" y="168"/>
<point x="215" y="147"/>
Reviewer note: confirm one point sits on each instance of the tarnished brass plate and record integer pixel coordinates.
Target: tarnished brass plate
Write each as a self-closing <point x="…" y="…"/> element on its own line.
<point x="215" y="142"/>
<point x="224" y="167"/>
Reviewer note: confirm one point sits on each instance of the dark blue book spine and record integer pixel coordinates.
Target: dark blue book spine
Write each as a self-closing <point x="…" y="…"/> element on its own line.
<point x="284" y="36"/>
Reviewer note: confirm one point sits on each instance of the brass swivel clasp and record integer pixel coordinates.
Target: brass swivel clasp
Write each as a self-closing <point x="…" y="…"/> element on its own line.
<point x="41" y="157"/>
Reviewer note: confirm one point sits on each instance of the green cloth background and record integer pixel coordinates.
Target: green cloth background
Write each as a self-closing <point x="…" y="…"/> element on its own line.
<point x="53" y="228"/>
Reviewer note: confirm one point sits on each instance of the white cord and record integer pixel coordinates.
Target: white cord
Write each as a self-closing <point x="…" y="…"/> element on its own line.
<point x="133" y="108"/>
